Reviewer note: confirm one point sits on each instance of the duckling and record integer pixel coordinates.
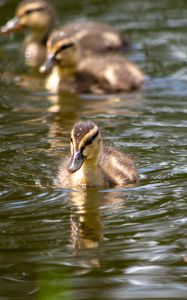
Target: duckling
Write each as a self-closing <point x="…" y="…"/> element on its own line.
<point x="39" y="17"/>
<point x="91" y="164"/>
<point x="93" y="73"/>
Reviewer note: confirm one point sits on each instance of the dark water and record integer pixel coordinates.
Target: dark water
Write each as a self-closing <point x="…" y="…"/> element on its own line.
<point x="97" y="244"/>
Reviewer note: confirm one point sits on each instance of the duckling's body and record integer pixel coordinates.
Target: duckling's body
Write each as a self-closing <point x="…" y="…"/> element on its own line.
<point x="38" y="16"/>
<point x="108" y="74"/>
<point x="99" y="74"/>
<point x="91" y="164"/>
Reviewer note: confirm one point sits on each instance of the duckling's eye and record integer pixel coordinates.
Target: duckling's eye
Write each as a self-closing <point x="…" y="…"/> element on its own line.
<point x="90" y="139"/>
<point x="71" y="140"/>
<point x="28" y="12"/>
<point x="64" y="47"/>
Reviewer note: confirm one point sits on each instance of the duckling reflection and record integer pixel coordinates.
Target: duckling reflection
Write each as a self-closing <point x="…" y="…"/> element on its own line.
<point x="91" y="164"/>
<point x="86" y="228"/>
<point x="86" y="224"/>
<point x="67" y="108"/>
<point x="97" y="74"/>
<point x="38" y="16"/>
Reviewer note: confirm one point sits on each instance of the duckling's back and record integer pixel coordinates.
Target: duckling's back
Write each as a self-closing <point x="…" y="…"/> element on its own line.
<point x="96" y="37"/>
<point x="118" y="167"/>
<point x="109" y="73"/>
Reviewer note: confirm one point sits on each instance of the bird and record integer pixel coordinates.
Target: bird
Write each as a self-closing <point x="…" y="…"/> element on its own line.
<point x="39" y="17"/>
<point x="71" y="69"/>
<point x="92" y="164"/>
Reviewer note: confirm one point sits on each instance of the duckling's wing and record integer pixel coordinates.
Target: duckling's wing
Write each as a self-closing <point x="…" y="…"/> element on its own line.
<point x="87" y="81"/>
<point x="119" y="166"/>
<point x="91" y="72"/>
<point x="111" y="73"/>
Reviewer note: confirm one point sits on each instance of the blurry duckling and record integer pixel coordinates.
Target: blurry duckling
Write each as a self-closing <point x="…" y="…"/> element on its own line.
<point x="98" y="74"/>
<point x="39" y="17"/>
<point x="91" y="164"/>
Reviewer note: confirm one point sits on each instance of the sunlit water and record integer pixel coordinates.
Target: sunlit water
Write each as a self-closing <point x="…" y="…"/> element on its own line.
<point x="97" y="244"/>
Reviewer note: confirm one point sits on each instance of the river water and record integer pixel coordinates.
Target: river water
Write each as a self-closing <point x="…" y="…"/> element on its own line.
<point x="97" y="244"/>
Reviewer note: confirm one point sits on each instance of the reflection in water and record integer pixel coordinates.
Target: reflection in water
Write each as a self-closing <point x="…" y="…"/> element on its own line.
<point x="67" y="103"/>
<point x="86" y="222"/>
<point x="86" y="228"/>
<point x="29" y="80"/>
<point x="64" y="109"/>
<point x="67" y="108"/>
<point x="38" y="260"/>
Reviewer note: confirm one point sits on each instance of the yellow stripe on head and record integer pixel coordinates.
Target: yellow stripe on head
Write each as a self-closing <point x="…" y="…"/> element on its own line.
<point x="81" y="132"/>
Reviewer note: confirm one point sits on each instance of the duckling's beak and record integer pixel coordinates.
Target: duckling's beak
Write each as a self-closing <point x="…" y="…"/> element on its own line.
<point x="76" y="162"/>
<point x="48" y="64"/>
<point x="11" y="26"/>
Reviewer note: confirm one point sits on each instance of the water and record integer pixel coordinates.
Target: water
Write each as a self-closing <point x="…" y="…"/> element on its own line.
<point x="100" y="244"/>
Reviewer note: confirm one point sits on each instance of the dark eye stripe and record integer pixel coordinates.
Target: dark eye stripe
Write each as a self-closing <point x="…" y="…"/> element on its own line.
<point x="30" y="11"/>
<point x="64" y="47"/>
<point x="91" y="139"/>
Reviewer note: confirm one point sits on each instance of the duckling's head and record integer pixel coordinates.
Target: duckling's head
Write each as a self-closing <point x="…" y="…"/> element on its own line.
<point x="37" y="15"/>
<point x="86" y="145"/>
<point x="61" y="51"/>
